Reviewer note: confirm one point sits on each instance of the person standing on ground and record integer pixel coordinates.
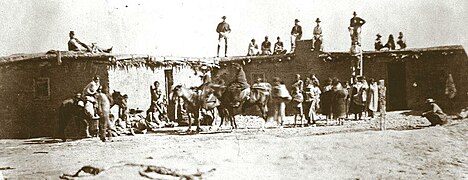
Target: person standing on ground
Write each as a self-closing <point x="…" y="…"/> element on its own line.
<point x="356" y="106"/>
<point x="372" y="98"/>
<point x="296" y="34"/>
<point x="382" y="103"/>
<point x="223" y="31"/>
<point x="297" y="100"/>
<point x="280" y="96"/>
<point x="326" y="99"/>
<point x="339" y="101"/>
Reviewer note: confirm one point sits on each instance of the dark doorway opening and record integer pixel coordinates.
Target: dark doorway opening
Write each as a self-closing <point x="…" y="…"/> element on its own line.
<point x="168" y="74"/>
<point x="396" y="86"/>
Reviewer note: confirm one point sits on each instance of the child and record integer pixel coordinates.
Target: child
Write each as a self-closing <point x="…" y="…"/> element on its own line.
<point x="297" y="99"/>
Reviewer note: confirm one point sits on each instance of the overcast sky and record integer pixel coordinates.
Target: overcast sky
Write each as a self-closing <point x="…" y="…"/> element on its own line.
<point x="187" y="28"/>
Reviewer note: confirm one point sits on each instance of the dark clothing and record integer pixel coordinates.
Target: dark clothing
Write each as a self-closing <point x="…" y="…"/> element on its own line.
<point x="401" y="42"/>
<point x="326" y="102"/>
<point x="356" y="22"/>
<point x="297" y="29"/>
<point x="357" y="104"/>
<point x="73" y="45"/>
<point x="390" y="44"/>
<point x="266" y="45"/>
<point x="435" y="115"/>
<point x="378" y="44"/>
<point x="223" y="27"/>
<point x="339" y="104"/>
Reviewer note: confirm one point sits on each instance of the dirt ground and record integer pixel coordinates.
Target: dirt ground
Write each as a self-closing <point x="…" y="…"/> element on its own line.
<point x="355" y="150"/>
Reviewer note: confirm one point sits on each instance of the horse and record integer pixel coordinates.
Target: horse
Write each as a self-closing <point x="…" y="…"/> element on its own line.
<point x="240" y="94"/>
<point x="196" y="99"/>
<point x="72" y="109"/>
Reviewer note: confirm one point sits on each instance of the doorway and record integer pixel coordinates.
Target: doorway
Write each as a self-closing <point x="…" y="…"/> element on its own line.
<point x="169" y="77"/>
<point x="396" y="86"/>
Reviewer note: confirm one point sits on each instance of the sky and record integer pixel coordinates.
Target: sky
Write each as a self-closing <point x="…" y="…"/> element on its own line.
<point x="187" y="27"/>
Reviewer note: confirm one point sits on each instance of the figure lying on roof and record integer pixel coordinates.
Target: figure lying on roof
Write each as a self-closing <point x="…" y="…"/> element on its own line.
<point x="76" y="45"/>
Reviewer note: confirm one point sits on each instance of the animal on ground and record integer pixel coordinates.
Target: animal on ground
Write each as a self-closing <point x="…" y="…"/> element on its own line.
<point x="194" y="101"/>
<point x="72" y="109"/>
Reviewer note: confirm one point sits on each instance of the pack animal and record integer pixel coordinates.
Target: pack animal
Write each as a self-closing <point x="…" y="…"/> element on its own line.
<point x="73" y="109"/>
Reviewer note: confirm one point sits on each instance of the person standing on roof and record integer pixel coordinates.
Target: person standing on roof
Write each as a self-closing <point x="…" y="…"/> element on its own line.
<point x="223" y="31"/>
<point x="296" y="34"/>
<point x="317" y="36"/>
<point x="355" y="28"/>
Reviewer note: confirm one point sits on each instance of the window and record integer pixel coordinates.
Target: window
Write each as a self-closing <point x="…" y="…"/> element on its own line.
<point x="255" y="75"/>
<point x="42" y="88"/>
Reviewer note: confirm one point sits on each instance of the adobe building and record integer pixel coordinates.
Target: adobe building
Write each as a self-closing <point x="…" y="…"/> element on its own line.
<point x="32" y="86"/>
<point x="411" y="75"/>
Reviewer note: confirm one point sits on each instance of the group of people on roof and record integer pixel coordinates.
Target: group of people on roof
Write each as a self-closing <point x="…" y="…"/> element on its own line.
<point x="390" y="45"/>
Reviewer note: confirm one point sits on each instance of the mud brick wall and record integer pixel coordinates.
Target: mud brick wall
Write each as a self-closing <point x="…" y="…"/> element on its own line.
<point x="23" y="115"/>
<point x="136" y="82"/>
<point x="429" y="71"/>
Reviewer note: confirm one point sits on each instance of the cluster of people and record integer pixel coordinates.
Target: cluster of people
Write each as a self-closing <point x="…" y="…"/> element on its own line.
<point x="335" y="100"/>
<point x="390" y="45"/>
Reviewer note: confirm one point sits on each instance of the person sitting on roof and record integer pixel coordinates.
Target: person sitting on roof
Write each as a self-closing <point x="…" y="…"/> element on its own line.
<point x="253" y="48"/>
<point x="434" y="113"/>
<point x="390" y="43"/>
<point x="76" y="45"/>
<point x="401" y="41"/>
<point x="266" y="47"/>
<point x="279" y="47"/>
<point x="378" y="43"/>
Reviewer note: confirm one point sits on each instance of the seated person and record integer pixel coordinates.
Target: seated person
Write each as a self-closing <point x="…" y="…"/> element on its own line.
<point x="266" y="47"/>
<point x="253" y="48"/>
<point x="434" y="114"/>
<point x="401" y="41"/>
<point x="279" y="47"/>
<point x="378" y="43"/>
<point x="76" y="45"/>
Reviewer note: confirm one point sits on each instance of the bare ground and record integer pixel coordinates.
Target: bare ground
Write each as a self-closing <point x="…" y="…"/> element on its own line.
<point x="356" y="150"/>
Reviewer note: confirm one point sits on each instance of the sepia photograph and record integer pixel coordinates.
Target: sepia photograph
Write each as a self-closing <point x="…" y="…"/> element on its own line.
<point x="233" y="89"/>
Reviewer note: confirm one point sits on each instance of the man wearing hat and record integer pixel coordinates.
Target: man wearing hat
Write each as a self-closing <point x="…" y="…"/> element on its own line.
<point x="223" y="31"/>
<point x="279" y="47"/>
<point x="355" y="28"/>
<point x="76" y="45"/>
<point x="296" y="34"/>
<point x="434" y="113"/>
<point x="378" y="43"/>
<point x="317" y="36"/>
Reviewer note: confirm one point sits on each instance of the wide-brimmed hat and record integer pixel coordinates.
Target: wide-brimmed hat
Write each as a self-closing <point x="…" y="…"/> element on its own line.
<point x="430" y="100"/>
<point x="378" y="35"/>
<point x="318" y="20"/>
<point x="296" y="20"/>
<point x="354" y="13"/>
<point x="224" y="17"/>
<point x="72" y="32"/>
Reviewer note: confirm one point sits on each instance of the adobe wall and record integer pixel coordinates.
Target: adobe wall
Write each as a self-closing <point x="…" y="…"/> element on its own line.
<point x="136" y="82"/>
<point x="430" y="71"/>
<point x="23" y="116"/>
